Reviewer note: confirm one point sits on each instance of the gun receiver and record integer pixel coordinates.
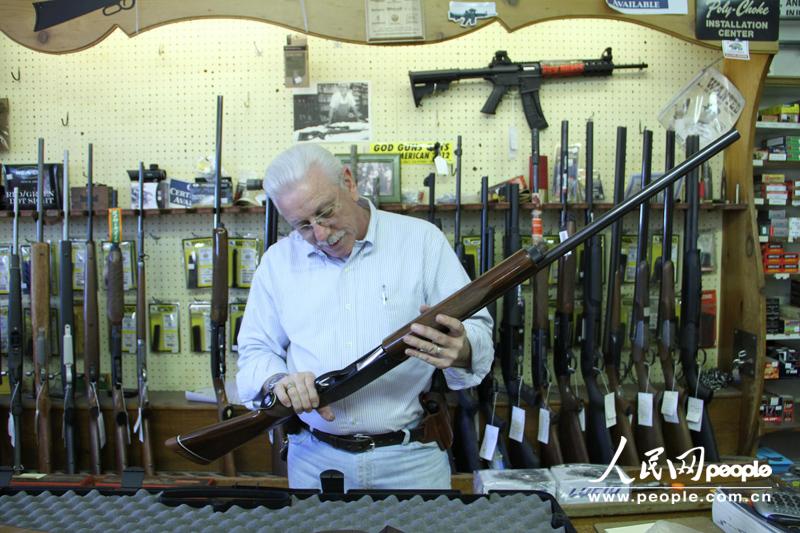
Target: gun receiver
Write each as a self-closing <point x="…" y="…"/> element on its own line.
<point x="66" y="325"/>
<point x="526" y="77"/>
<point x="91" y="330"/>
<point x="53" y="12"/>
<point x="143" y="422"/>
<point x="40" y="322"/>
<point x="676" y="435"/>
<point x="209" y="443"/>
<point x="15" y="338"/>
<point x="613" y="334"/>
<point x="602" y="449"/>
<point x="691" y="291"/>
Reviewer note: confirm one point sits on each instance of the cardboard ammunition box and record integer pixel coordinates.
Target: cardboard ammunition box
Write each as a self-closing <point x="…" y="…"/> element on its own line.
<point x="101" y="197"/>
<point x="771" y="370"/>
<point x="25" y="178"/>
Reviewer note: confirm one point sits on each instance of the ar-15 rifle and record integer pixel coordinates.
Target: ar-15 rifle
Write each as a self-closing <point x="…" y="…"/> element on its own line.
<point x="66" y="326"/>
<point x="40" y="323"/>
<point x="211" y="442"/>
<point x="613" y="334"/>
<point x="648" y="437"/>
<point x="512" y="333"/>
<point x="219" y="297"/>
<point x="15" y="338"/>
<point x="691" y="291"/>
<point x="601" y="449"/>
<point x="505" y="74"/>
<point x="91" y="330"/>
<point x="676" y="434"/>
<point x="143" y="422"/>
<point x="569" y="426"/>
<point x="115" y="313"/>
<point x="54" y="12"/>
<point x="550" y="452"/>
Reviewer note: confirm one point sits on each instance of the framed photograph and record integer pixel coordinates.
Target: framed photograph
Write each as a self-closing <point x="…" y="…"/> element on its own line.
<point x="377" y="176"/>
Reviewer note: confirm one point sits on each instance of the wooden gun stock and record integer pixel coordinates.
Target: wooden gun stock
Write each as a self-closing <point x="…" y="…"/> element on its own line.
<point x="115" y="313"/>
<point x="40" y="323"/>
<point x="624" y="409"/>
<point x="676" y="436"/>
<point x="647" y="437"/>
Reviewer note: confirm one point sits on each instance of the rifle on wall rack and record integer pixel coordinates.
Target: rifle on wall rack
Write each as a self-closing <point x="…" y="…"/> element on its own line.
<point x="211" y="442"/>
<point x="115" y="312"/>
<point x="691" y="292"/>
<point x="647" y="429"/>
<point x="91" y="330"/>
<point x="219" y="297"/>
<point x="601" y="449"/>
<point x="550" y="451"/>
<point x="613" y="332"/>
<point x="676" y="433"/>
<point x="40" y="324"/>
<point x="569" y="426"/>
<point x="66" y="326"/>
<point x="142" y="425"/>
<point x="15" y="339"/>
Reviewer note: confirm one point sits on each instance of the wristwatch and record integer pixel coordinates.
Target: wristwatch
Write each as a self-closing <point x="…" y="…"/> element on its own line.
<point x="265" y="399"/>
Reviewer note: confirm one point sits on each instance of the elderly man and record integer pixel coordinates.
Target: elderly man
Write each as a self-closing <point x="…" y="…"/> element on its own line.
<point x="346" y="277"/>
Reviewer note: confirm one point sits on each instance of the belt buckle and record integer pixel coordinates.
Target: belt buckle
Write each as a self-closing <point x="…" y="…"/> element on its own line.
<point x="361" y="438"/>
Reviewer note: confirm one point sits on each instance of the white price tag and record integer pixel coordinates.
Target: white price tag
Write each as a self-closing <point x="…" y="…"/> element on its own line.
<point x="517" y="428"/>
<point x="12" y="434"/>
<point x="644" y="410"/>
<point x="489" y="442"/>
<point x="441" y="168"/>
<point x="669" y="405"/>
<point x="582" y="418"/>
<point x="544" y="426"/>
<point x="610" y="409"/>
<point x="513" y="142"/>
<point x="101" y="429"/>
<point x="694" y="411"/>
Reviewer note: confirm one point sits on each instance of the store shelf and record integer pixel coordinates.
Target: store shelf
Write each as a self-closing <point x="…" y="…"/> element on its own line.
<point x="760" y="163"/>
<point x="774" y="428"/>
<point x="787" y="126"/>
<point x="782" y="337"/>
<point x="782" y="81"/>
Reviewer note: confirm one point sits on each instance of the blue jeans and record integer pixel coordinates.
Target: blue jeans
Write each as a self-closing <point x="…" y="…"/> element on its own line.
<point x="402" y="466"/>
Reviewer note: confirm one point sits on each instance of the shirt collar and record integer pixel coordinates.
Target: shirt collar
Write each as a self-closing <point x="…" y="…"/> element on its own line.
<point x="366" y="243"/>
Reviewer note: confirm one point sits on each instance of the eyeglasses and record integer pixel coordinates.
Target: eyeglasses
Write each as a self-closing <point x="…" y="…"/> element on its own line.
<point x="324" y="217"/>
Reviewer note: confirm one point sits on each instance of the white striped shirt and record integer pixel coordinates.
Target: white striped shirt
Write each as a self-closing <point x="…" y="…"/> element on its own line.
<point x="308" y="312"/>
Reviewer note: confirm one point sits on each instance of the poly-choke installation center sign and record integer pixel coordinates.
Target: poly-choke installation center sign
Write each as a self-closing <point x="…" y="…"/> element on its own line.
<point x="731" y="20"/>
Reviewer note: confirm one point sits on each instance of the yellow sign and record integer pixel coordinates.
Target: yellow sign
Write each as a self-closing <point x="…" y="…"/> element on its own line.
<point x="414" y="153"/>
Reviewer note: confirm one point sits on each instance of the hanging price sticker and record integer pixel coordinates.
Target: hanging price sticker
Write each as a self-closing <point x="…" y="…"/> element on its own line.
<point x="694" y="411"/>
<point x="12" y="434"/>
<point x="610" y="409"/>
<point x="544" y="426"/>
<point x="644" y="411"/>
<point x="669" y="405"/>
<point x="582" y="418"/>
<point x="101" y="429"/>
<point x="517" y="424"/>
<point x="489" y="443"/>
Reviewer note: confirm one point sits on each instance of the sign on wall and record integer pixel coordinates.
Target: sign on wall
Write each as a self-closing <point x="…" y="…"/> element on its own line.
<point x="730" y="20"/>
<point x="790" y="8"/>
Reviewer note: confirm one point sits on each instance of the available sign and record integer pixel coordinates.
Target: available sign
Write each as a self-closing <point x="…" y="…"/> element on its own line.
<point x="729" y="20"/>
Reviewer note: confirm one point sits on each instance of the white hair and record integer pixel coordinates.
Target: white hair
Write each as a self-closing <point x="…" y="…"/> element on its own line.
<point x="294" y="164"/>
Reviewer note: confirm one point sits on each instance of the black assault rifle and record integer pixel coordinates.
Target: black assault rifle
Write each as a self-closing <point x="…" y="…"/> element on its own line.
<point x="505" y="74"/>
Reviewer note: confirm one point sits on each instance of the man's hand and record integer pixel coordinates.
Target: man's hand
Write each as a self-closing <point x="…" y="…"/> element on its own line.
<point x="442" y="350"/>
<point x="297" y="391"/>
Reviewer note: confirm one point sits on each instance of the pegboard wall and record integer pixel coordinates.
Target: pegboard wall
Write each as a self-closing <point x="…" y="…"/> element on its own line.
<point x="152" y="98"/>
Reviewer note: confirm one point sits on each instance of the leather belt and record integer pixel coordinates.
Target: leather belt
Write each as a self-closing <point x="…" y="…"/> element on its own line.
<point x="362" y="443"/>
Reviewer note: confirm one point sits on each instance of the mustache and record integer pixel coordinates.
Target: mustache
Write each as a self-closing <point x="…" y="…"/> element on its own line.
<point x="332" y="239"/>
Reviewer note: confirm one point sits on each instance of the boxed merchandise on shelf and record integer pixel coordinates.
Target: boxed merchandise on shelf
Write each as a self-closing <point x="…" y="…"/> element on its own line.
<point x="771" y="370"/>
<point x="771" y="408"/>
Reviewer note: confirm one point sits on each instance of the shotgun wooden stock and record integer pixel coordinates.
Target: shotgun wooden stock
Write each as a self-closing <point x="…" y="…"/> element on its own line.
<point x="211" y="442"/>
<point x="676" y="436"/>
<point x="40" y="323"/>
<point x="115" y="313"/>
<point x="647" y="437"/>
<point x="624" y="409"/>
